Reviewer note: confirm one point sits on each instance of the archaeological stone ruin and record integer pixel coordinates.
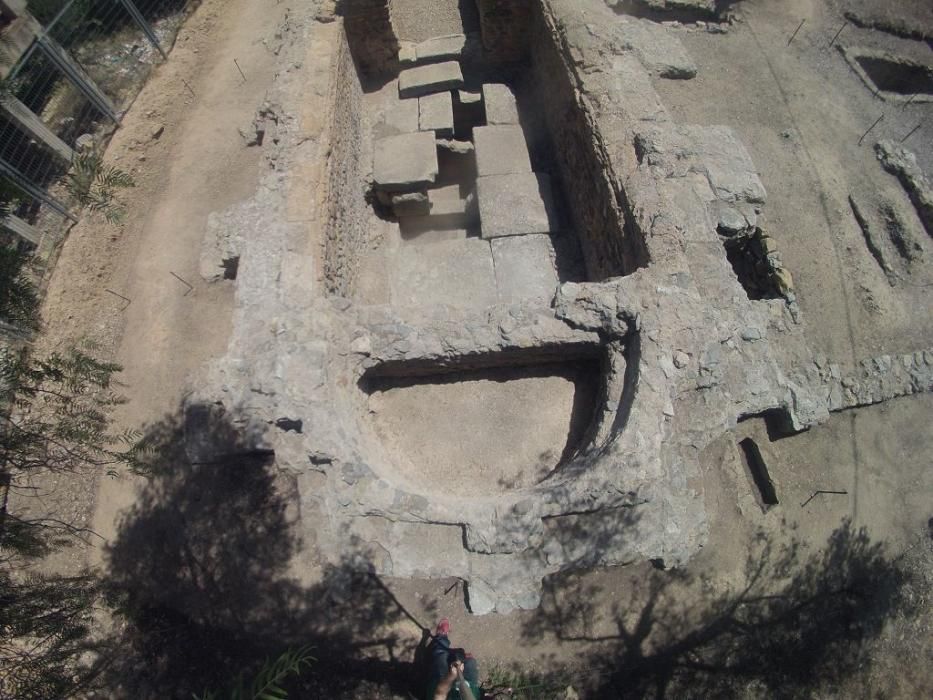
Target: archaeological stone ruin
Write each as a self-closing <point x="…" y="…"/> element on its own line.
<point x="538" y="296"/>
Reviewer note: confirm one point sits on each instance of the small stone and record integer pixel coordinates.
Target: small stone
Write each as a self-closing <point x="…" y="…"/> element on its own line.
<point x="751" y="333"/>
<point x="157" y="132"/>
<point x="783" y="280"/>
<point x="768" y="246"/>
<point x="454" y="146"/>
<point x="681" y="359"/>
<point x="85" y="142"/>
<point x="469" y="97"/>
<point x="407" y="54"/>
<point x="715" y="28"/>
<point x="411" y="204"/>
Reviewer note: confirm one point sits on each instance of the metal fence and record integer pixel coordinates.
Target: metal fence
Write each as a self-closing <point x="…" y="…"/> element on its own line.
<point x="83" y="63"/>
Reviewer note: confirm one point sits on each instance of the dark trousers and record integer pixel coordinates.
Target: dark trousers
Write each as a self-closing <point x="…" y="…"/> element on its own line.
<point x="437" y="655"/>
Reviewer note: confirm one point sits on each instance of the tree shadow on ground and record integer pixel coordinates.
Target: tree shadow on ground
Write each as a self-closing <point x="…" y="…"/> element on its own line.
<point x="200" y="571"/>
<point x="797" y="625"/>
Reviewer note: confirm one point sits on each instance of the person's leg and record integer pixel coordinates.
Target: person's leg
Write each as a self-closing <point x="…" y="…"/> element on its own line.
<point x="437" y="654"/>
<point x="471" y="671"/>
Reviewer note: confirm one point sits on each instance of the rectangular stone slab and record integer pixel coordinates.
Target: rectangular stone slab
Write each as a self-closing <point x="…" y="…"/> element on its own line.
<point x="455" y="273"/>
<point x="515" y="204"/>
<point x="423" y="80"/>
<point x="501" y="106"/>
<point x="436" y="113"/>
<point x="440" y="48"/>
<point x="399" y="117"/>
<point x="405" y="162"/>
<point x="525" y="268"/>
<point x="501" y="150"/>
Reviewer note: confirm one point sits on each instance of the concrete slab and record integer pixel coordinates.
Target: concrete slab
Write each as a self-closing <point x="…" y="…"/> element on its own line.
<point x="501" y="105"/>
<point x="441" y="48"/>
<point x="455" y="273"/>
<point x="424" y="80"/>
<point x="515" y="204"/>
<point x="436" y="113"/>
<point x="500" y="150"/>
<point x="525" y="269"/>
<point x="405" y="162"/>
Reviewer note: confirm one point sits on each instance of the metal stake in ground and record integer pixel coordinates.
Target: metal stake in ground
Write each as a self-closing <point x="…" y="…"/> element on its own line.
<point x="869" y="129"/>
<point x="911" y="132"/>
<point x="796" y="30"/>
<point x="839" y="32"/>
<point x="239" y="69"/>
<point x="128" y="301"/>
<point x="817" y="493"/>
<point x="189" y="87"/>
<point x="190" y="288"/>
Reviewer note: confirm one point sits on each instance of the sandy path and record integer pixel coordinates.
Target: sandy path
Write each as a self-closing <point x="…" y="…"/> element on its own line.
<point x="198" y="165"/>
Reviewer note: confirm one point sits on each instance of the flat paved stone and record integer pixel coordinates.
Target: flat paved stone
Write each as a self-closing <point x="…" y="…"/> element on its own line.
<point x="525" y="268"/>
<point x="400" y="117"/>
<point x="501" y="150"/>
<point x="405" y="162"/>
<point x="436" y="113"/>
<point x="424" y="80"/>
<point x="501" y="105"/>
<point x="441" y="48"/>
<point x="515" y="204"/>
<point x="456" y="273"/>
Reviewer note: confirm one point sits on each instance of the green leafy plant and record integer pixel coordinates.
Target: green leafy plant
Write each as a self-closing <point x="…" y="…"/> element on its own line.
<point x="19" y="299"/>
<point x="93" y="185"/>
<point x="267" y="683"/>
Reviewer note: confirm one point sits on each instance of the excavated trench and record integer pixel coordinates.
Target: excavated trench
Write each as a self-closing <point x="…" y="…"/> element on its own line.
<point x="487" y="189"/>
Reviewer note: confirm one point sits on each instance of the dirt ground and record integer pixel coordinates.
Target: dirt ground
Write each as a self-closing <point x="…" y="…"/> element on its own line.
<point x="800" y="112"/>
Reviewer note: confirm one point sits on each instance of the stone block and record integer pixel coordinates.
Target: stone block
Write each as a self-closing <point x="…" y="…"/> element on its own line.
<point x="411" y="204"/>
<point x="399" y="117"/>
<point x="501" y="150"/>
<point x="441" y="48"/>
<point x="469" y="97"/>
<point x="515" y="204"/>
<point x="407" y="53"/>
<point x="456" y="273"/>
<point x="436" y="113"/>
<point x="501" y="106"/>
<point x="424" y="80"/>
<point x="525" y="269"/>
<point x="405" y="162"/>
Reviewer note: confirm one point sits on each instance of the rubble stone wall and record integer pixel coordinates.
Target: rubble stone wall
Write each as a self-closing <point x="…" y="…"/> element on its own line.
<point x="505" y="26"/>
<point x="346" y="232"/>
<point x="610" y="247"/>
<point x="372" y="39"/>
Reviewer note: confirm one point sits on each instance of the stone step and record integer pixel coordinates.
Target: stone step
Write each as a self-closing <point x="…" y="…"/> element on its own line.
<point x="406" y="162"/>
<point x="424" y="80"/>
<point x="501" y="150"/>
<point x="436" y="113"/>
<point x="515" y="204"/>
<point x="501" y="105"/>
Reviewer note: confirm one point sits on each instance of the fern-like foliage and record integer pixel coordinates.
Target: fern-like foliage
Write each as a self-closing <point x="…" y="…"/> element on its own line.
<point x="19" y="299"/>
<point x="93" y="185"/>
<point x="267" y="683"/>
